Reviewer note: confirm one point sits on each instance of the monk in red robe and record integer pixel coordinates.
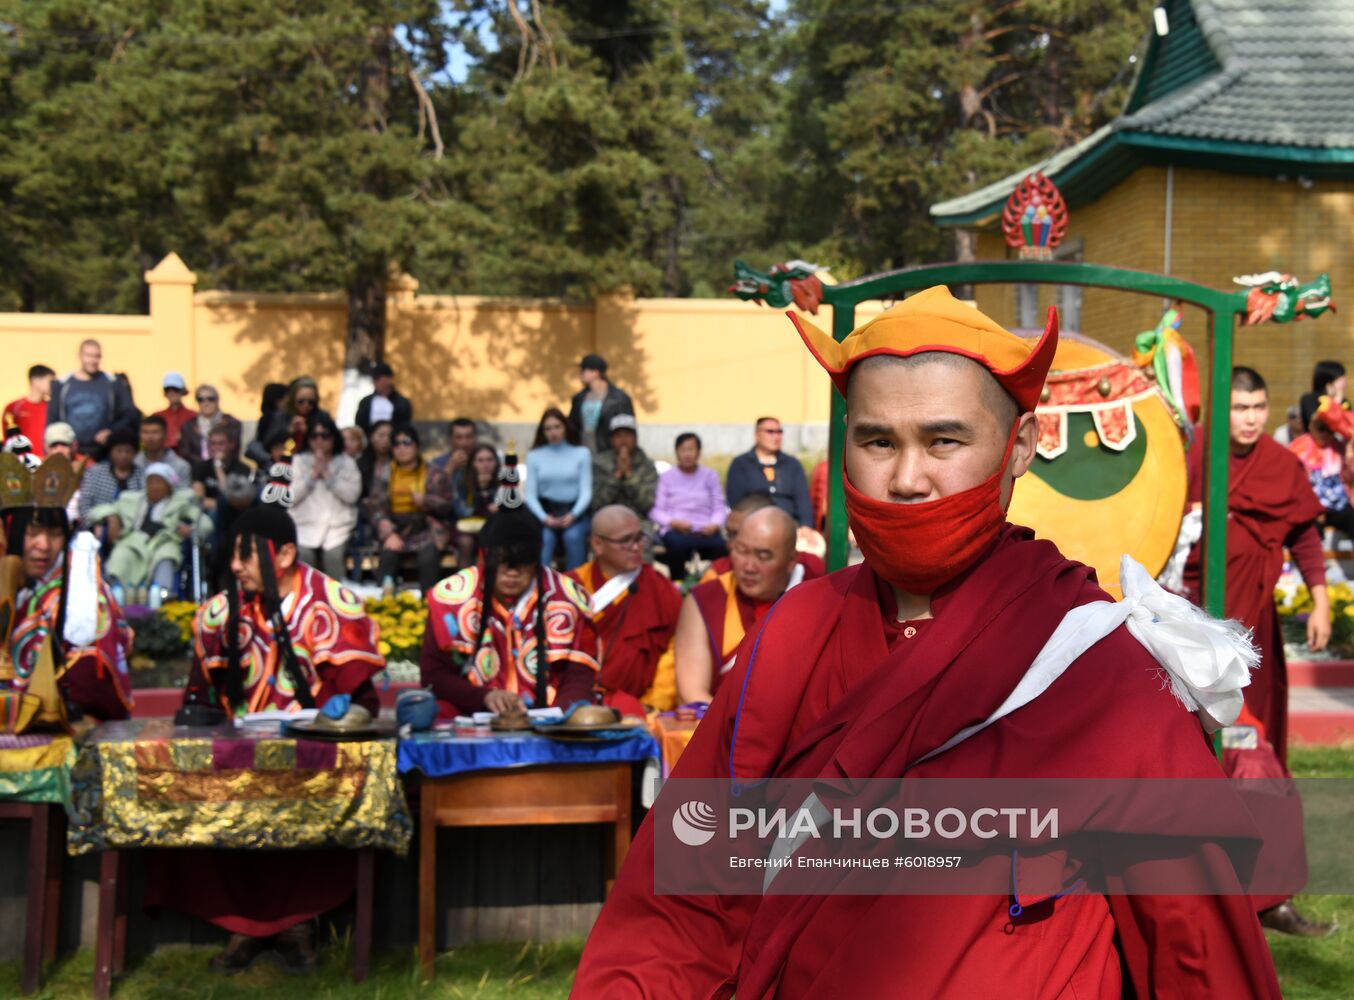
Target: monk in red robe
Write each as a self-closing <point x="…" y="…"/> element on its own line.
<point x="244" y="644"/>
<point x="1270" y="507"/>
<point x="717" y="614"/>
<point x="634" y="607"/>
<point x="814" y="567"/>
<point x="476" y="661"/>
<point x="905" y="665"/>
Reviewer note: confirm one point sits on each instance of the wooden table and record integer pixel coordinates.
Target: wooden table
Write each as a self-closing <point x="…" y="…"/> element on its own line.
<point x="46" y="840"/>
<point x="110" y="938"/>
<point x="144" y="783"/>
<point x="544" y="794"/>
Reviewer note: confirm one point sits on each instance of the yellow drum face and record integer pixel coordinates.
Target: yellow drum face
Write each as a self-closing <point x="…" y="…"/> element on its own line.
<point x="1096" y="501"/>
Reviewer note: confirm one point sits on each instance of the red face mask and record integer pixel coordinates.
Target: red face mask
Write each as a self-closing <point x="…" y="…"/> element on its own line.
<point x="918" y="547"/>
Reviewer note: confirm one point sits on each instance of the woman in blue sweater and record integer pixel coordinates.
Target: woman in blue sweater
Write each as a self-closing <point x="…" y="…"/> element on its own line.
<point x="559" y="488"/>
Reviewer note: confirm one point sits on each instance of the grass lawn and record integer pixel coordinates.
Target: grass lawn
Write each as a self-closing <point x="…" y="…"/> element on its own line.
<point x="1307" y="969"/>
<point x="482" y="972"/>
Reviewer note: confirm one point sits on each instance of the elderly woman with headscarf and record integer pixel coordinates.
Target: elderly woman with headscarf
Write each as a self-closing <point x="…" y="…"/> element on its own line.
<point x="148" y="528"/>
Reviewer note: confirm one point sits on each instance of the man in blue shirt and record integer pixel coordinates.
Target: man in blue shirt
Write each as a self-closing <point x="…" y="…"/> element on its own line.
<point x="93" y="402"/>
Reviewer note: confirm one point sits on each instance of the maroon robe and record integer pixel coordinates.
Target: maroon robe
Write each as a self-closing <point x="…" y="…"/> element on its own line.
<point x="726" y="623"/>
<point x="1270" y="505"/>
<point x="635" y="630"/>
<point x="829" y="697"/>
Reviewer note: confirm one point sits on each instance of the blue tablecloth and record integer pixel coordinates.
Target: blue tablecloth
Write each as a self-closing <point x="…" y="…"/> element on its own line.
<point x="439" y="756"/>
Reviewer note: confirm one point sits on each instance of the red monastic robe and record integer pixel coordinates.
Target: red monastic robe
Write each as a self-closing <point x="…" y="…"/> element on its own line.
<point x="1270" y="505"/>
<point x="635" y="629"/>
<point x="838" y="690"/>
<point x="728" y="617"/>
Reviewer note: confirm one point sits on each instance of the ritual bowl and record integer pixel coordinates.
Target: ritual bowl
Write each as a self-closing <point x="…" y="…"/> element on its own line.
<point x="592" y="715"/>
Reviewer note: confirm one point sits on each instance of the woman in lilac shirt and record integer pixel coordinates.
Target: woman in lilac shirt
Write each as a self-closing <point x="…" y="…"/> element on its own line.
<point x="689" y="509"/>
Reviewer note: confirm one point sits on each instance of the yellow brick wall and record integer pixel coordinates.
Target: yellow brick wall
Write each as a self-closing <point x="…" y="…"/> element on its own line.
<point x="1223" y="225"/>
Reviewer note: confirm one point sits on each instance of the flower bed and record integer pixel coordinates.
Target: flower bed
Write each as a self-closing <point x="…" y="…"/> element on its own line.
<point x="1294" y="602"/>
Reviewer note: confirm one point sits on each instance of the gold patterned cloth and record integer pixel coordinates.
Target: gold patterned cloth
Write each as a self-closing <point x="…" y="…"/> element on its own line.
<point x="147" y="783"/>
<point x="36" y="767"/>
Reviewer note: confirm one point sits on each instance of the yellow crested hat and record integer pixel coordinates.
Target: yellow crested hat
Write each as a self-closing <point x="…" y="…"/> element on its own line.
<point x="934" y="320"/>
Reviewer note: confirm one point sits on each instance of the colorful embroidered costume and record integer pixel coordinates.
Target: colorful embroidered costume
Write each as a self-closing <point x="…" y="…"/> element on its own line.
<point x="507" y="655"/>
<point x="334" y="640"/>
<point x="94" y="674"/>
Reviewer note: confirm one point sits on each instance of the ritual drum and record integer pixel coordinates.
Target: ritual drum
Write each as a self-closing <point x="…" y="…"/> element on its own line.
<point x="1109" y="476"/>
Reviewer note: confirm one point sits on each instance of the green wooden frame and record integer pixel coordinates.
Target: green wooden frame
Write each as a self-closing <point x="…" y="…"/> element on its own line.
<point x="1222" y="307"/>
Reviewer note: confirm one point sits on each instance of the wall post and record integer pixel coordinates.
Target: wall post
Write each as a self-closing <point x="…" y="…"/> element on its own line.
<point x="171" y="325"/>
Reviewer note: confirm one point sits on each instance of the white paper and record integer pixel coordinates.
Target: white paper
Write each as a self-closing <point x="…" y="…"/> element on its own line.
<point x="279" y="715"/>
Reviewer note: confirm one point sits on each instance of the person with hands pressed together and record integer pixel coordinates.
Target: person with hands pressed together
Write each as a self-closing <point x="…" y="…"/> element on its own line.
<point x="326" y="487"/>
<point x="624" y="474"/>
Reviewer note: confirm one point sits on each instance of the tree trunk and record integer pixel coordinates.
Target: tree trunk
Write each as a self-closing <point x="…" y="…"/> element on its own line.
<point x="366" y="322"/>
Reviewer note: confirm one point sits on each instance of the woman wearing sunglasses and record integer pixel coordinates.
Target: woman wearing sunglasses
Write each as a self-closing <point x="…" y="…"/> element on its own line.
<point x="412" y="506"/>
<point x="296" y="415"/>
<point x="194" y="440"/>
<point x="326" y="486"/>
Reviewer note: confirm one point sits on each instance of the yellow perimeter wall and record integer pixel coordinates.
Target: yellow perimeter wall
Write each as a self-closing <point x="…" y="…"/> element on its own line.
<point x="684" y="361"/>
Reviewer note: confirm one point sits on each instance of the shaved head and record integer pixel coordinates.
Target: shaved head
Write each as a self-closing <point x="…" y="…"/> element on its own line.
<point x="616" y="519"/>
<point x="995" y="399"/>
<point x="617" y="539"/>
<point x="774" y="525"/>
<point x="764" y="553"/>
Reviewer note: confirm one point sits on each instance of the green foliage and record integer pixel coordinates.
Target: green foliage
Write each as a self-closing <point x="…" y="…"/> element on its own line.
<point x="894" y="107"/>
<point x="158" y="638"/>
<point x="584" y="145"/>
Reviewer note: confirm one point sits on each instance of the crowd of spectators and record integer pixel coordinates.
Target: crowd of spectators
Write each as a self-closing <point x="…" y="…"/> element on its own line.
<point x="369" y="501"/>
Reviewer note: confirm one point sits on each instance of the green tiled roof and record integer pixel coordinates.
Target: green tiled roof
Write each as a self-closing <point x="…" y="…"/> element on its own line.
<point x="1254" y="84"/>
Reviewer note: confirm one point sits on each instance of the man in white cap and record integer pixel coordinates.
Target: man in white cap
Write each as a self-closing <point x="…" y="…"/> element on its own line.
<point x="623" y="474"/>
<point x="175" y="414"/>
<point x="59" y="439"/>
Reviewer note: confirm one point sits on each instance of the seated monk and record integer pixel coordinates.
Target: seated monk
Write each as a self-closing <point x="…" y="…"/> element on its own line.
<point x="718" y="613"/>
<point x="74" y="609"/>
<point x="267" y="899"/>
<point x="814" y="567"/>
<point x="488" y="662"/>
<point x="634" y="607"/>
